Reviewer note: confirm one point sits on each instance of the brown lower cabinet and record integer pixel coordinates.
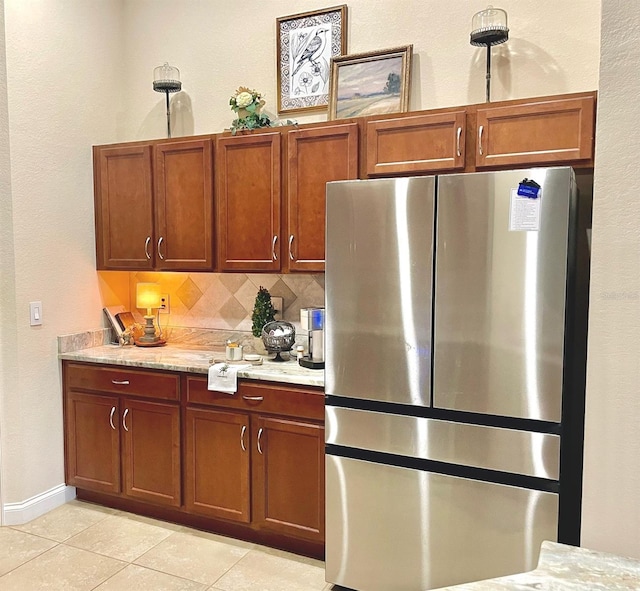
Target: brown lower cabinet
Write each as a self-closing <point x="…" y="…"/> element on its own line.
<point x="159" y="443"/>
<point x="257" y="458"/>
<point x="118" y="444"/>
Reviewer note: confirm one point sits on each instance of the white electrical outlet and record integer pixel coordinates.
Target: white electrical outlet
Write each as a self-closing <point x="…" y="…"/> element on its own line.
<point x="165" y="307"/>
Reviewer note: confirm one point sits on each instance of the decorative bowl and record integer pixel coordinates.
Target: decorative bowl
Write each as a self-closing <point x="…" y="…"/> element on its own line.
<point x="278" y="336"/>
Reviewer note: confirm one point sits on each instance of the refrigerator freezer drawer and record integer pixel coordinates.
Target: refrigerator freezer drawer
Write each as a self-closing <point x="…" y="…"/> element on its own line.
<point x="395" y="528"/>
<point x="492" y="448"/>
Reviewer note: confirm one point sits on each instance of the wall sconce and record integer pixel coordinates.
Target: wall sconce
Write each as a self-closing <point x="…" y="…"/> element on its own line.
<point x="148" y="297"/>
<point x="166" y="79"/>
<point x="488" y="28"/>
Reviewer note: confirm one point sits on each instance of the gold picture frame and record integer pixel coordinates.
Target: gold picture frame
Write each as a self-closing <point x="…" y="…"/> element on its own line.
<point x="372" y="83"/>
<point x="306" y="43"/>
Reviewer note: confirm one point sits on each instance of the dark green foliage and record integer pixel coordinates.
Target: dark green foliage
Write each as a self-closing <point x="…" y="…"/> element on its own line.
<point x="263" y="311"/>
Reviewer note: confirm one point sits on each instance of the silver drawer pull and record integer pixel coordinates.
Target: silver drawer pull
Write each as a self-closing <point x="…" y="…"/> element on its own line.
<point x="160" y="240"/>
<point x="254" y="398"/>
<point x="124" y="419"/>
<point x="244" y="430"/>
<point x="120" y="382"/>
<point x="146" y="248"/>
<point x="113" y="410"/>
<point x="259" y="436"/>
<point x="273" y="248"/>
<point x="480" y="131"/>
<point x="458" y="141"/>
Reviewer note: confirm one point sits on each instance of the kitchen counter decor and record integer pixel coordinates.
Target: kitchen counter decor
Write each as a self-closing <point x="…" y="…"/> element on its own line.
<point x="247" y="104"/>
<point x="278" y="337"/>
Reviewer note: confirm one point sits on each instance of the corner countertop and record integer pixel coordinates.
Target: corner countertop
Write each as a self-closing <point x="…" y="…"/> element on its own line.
<point x="194" y="360"/>
<point x="567" y="568"/>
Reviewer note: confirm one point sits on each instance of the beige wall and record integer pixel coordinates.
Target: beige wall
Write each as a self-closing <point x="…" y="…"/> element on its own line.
<point x="63" y="75"/>
<point x="611" y="507"/>
<point x="218" y="46"/>
<point x="7" y="272"/>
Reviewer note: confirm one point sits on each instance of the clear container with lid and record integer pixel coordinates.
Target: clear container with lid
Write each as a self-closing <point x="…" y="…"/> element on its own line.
<point x="166" y="78"/>
<point x="489" y="27"/>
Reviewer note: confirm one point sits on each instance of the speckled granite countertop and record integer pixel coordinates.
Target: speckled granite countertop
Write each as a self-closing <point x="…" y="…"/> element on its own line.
<point x="194" y="360"/>
<point x="566" y="568"/>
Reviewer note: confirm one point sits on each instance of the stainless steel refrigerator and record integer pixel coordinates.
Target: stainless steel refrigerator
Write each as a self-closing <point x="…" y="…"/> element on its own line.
<point x="455" y="354"/>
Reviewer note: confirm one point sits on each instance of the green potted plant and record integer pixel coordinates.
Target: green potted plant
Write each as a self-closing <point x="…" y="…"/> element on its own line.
<point x="263" y="312"/>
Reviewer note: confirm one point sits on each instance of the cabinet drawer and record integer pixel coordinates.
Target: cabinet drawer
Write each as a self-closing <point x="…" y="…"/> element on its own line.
<point x="163" y="385"/>
<point x="264" y="397"/>
<point x="423" y="143"/>
<point x="545" y="132"/>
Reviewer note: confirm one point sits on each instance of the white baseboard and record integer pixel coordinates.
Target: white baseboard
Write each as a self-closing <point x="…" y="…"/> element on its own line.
<point x="19" y="513"/>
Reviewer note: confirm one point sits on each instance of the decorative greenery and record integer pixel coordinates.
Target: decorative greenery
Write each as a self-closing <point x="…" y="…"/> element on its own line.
<point x="263" y="311"/>
<point x="247" y="104"/>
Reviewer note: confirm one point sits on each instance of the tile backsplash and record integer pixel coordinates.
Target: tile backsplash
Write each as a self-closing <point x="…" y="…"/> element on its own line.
<point x="220" y="301"/>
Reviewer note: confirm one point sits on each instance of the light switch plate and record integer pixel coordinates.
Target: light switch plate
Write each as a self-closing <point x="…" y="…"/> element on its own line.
<point x="35" y="313"/>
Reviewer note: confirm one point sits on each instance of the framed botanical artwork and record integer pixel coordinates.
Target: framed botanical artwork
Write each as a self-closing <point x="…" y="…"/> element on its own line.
<point x="371" y="83"/>
<point x="306" y="43"/>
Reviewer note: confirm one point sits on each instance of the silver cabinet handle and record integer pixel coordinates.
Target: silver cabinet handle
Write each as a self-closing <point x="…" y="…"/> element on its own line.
<point x="458" y="141"/>
<point x="113" y="410"/>
<point x="146" y="248"/>
<point x="290" y="243"/>
<point x="259" y="436"/>
<point x="480" y="138"/>
<point x="244" y="430"/>
<point x="255" y="398"/>
<point x="124" y="419"/>
<point x="273" y="248"/>
<point x="120" y="382"/>
<point x="159" y="243"/>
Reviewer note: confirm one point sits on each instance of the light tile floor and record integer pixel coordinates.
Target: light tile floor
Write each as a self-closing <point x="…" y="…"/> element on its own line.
<point x="84" y="547"/>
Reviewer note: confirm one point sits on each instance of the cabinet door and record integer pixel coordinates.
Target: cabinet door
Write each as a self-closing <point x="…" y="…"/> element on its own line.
<point x="248" y="195"/>
<point x="92" y="442"/>
<point x="123" y="207"/>
<point x="217" y="470"/>
<point x="184" y="205"/>
<point x="151" y="457"/>
<point x="288" y="477"/>
<point x="419" y="144"/>
<point x="547" y="132"/>
<point x="316" y="156"/>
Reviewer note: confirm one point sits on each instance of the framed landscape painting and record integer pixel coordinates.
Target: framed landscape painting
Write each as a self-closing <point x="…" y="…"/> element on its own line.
<point x="371" y="83"/>
<point x="306" y="43"/>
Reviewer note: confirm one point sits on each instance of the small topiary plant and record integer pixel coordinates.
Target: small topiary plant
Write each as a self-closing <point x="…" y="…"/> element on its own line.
<point x="263" y="311"/>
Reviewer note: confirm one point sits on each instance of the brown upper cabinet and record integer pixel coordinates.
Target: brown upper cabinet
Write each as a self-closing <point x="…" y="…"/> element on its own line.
<point x="154" y="206"/>
<point x="316" y="156"/>
<point x="248" y="202"/>
<point x="155" y="200"/>
<point x="418" y="144"/>
<point x="544" y="132"/>
<point x="123" y="207"/>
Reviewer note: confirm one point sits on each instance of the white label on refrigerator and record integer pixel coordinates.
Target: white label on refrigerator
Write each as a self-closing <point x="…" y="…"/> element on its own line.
<point x="524" y="213"/>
